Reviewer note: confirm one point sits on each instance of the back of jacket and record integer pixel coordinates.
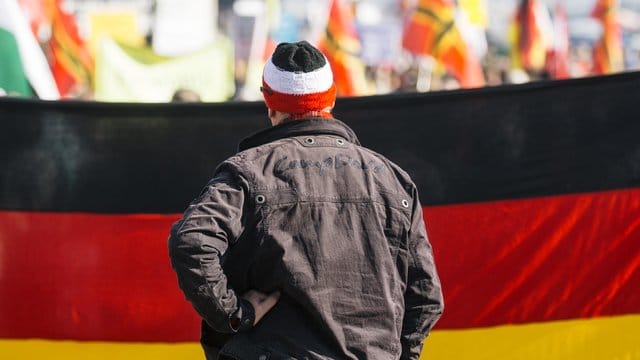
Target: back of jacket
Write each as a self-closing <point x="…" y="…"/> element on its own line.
<point x="338" y="230"/>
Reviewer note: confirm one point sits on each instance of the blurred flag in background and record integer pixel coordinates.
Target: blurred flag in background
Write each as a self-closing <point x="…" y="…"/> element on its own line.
<point x="70" y="60"/>
<point x="432" y="30"/>
<point x="120" y="24"/>
<point x="531" y="36"/>
<point x="23" y="66"/>
<point x="472" y="20"/>
<point x="476" y="11"/>
<point x="341" y="45"/>
<point x="138" y="74"/>
<point x="558" y="57"/>
<point x="607" y="52"/>
<point x="12" y="76"/>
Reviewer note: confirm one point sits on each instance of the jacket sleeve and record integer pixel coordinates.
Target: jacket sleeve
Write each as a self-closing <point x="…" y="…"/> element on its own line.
<point x="423" y="295"/>
<point x="211" y="223"/>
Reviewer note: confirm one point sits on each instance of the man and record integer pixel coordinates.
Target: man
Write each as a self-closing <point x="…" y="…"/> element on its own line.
<point x="306" y="245"/>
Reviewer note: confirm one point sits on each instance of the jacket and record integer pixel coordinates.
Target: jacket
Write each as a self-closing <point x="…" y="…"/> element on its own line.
<point x="338" y="229"/>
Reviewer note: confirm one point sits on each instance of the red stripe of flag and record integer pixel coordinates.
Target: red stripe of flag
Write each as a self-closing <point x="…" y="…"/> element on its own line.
<point x="90" y="277"/>
<point x="538" y="259"/>
<point x="108" y="277"/>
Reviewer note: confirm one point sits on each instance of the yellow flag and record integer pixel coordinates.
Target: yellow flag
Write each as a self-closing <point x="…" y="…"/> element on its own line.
<point x="476" y="11"/>
<point x="119" y="25"/>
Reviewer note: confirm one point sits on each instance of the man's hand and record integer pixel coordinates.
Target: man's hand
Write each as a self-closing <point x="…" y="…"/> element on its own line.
<point x="261" y="302"/>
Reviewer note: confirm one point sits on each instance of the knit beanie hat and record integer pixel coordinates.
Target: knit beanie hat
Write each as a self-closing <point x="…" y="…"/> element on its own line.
<point x="297" y="78"/>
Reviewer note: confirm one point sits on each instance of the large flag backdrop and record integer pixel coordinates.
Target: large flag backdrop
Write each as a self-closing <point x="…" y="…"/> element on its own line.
<point x="531" y="197"/>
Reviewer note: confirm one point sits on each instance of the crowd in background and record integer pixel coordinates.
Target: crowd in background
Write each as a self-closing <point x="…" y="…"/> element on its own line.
<point x="208" y="50"/>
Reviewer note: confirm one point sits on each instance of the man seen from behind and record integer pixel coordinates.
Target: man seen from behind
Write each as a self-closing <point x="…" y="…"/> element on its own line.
<point x="305" y="244"/>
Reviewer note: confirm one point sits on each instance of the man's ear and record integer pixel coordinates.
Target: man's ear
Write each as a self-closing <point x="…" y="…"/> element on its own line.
<point x="273" y="116"/>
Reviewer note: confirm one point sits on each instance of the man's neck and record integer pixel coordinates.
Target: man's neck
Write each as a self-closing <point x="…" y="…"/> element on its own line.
<point x="281" y="117"/>
<point x="309" y="114"/>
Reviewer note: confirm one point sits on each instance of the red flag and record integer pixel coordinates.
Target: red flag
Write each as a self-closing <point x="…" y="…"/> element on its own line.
<point x="607" y="52"/>
<point x="341" y="45"/>
<point x="432" y="30"/>
<point x="558" y="57"/>
<point x="70" y="59"/>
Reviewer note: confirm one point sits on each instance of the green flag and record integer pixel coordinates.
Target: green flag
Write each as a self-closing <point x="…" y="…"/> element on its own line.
<point x="23" y="66"/>
<point x="12" y="77"/>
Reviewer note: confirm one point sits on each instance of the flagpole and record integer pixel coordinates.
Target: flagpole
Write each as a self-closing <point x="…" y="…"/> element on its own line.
<point x="425" y="73"/>
<point x="383" y="79"/>
<point x="259" y="36"/>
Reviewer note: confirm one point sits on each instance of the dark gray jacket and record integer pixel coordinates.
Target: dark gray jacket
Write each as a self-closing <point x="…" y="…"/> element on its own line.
<point x="335" y="227"/>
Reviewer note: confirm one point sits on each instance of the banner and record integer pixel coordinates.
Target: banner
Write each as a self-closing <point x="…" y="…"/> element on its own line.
<point x="531" y="205"/>
<point x="558" y="62"/>
<point x="128" y="74"/>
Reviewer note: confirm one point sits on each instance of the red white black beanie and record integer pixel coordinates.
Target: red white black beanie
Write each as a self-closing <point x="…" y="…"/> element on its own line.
<point x="297" y="79"/>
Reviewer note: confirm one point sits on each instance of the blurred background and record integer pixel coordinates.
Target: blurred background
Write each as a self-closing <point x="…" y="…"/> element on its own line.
<point x="213" y="51"/>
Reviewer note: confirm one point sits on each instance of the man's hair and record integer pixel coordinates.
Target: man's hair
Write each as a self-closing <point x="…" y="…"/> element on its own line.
<point x="297" y="78"/>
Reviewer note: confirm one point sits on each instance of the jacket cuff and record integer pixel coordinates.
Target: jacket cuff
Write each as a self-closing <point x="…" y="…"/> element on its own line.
<point x="244" y="317"/>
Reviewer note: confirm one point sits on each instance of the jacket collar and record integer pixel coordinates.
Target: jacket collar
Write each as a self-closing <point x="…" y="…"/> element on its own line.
<point x="311" y="126"/>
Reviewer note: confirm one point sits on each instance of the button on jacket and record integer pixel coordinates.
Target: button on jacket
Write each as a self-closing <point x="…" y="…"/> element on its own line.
<point x="335" y="227"/>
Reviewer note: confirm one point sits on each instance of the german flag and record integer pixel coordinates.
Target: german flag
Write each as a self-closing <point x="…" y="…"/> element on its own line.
<point x="432" y="30"/>
<point x="341" y="45"/>
<point x="607" y="52"/>
<point x="532" y="206"/>
<point x="529" y="36"/>
<point x="71" y="62"/>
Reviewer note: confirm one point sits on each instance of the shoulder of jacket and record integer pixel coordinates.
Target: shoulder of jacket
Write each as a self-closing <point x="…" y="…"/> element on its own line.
<point x="243" y="163"/>
<point x="404" y="179"/>
<point x="256" y="153"/>
<point x="233" y="167"/>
